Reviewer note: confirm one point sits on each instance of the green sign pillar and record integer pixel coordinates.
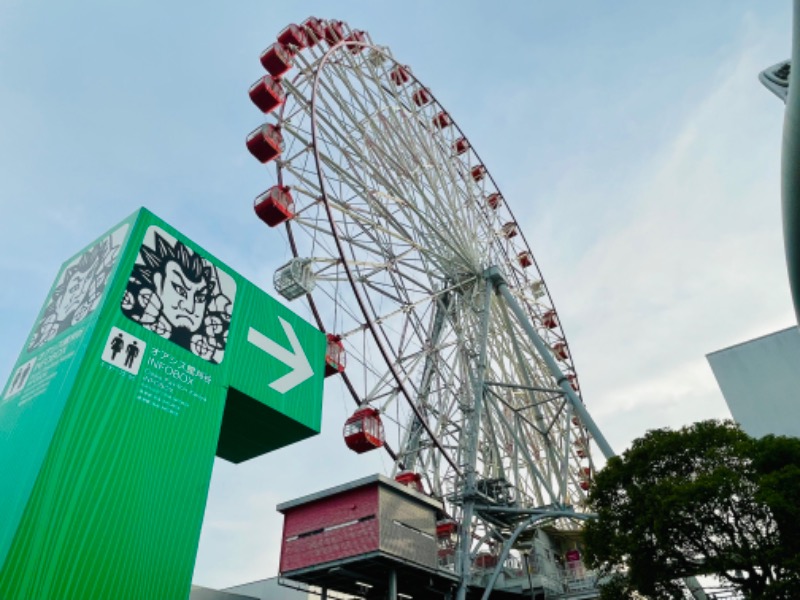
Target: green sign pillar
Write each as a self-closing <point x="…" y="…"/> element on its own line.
<point x="149" y="358"/>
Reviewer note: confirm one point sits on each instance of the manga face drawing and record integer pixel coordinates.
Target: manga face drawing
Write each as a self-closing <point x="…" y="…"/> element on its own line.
<point x="79" y="289"/>
<point x="180" y="295"/>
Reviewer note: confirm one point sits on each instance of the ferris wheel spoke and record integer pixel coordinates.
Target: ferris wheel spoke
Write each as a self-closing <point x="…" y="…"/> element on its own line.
<point x="390" y="167"/>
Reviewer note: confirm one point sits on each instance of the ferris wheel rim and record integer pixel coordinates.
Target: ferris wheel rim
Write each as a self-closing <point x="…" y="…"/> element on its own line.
<point x="369" y="316"/>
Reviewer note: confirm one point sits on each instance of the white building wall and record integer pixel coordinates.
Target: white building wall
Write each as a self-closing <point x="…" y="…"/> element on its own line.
<point x="760" y="380"/>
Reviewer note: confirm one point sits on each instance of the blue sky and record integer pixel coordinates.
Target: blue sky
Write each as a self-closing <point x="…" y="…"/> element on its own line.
<point x="631" y="139"/>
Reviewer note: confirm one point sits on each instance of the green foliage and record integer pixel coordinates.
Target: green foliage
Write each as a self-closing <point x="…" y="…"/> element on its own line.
<point x="704" y="500"/>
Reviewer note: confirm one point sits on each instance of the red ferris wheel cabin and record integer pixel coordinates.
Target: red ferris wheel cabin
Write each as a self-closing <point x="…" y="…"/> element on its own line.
<point x="442" y="120"/>
<point x="315" y="30"/>
<point x="363" y="431"/>
<point x="265" y="142"/>
<point x="400" y="75"/>
<point x="294" y="35"/>
<point x="460" y="146"/>
<point x="277" y="59"/>
<point x="267" y="93"/>
<point x="421" y="97"/>
<point x="335" y="355"/>
<point x="359" y="37"/>
<point x="275" y="205"/>
<point x="334" y="32"/>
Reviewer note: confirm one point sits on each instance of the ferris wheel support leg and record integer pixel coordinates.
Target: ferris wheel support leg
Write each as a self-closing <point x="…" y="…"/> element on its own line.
<point x="470" y="480"/>
<point x="493" y="274"/>
<point x="496" y="278"/>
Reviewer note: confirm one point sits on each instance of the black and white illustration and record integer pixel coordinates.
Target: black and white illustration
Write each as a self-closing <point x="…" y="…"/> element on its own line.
<point x="79" y="288"/>
<point x="20" y="378"/>
<point x="124" y="350"/>
<point x="176" y="293"/>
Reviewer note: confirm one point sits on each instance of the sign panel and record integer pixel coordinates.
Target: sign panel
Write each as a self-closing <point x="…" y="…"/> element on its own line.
<point x="146" y="361"/>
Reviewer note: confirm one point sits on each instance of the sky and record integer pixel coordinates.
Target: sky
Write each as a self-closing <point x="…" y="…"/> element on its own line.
<point x="632" y="140"/>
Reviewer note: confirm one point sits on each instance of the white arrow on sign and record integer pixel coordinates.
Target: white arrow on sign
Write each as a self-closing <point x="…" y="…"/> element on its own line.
<point x="296" y="358"/>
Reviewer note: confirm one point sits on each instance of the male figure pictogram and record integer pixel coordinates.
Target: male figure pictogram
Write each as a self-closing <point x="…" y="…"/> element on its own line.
<point x="132" y="351"/>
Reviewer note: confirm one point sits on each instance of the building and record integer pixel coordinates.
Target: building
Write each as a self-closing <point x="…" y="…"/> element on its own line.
<point x="760" y="380"/>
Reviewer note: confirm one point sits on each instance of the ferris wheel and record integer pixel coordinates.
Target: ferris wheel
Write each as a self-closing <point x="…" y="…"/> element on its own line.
<point x="411" y="260"/>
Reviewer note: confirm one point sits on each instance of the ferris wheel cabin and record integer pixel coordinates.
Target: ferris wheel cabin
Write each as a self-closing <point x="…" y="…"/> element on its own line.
<point x="460" y="146"/>
<point x="293" y="35"/>
<point x="560" y="351"/>
<point x="550" y="319"/>
<point x="410" y="479"/>
<point x="275" y="205"/>
<point x="334" y="32"/>
<point x="400" y="75"/>
<point x="478" y="172"/>
<point x="494" y="200"/>
<point x="315" y="31"/>
<point x="573" y="382"/>
<point x="525" y="259"/>
<point x="358" y="37"/>
<point x="265" y="142"/>
<point x="277" y="59"/>
<point x="294" y="279"/>
<point x="510" y="229"/>
<point x="421" y="97"/>
<point x="363" y="431"/>
<point x="442" y="120"/>
<point x="267" y="94"/>
<point x="335" y="356"/>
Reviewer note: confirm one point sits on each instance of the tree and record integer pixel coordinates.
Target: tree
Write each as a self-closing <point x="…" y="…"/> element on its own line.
<point x="704" y="500"/>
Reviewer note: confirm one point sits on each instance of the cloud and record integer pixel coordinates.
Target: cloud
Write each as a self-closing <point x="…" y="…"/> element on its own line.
<point x="690" y="262"/>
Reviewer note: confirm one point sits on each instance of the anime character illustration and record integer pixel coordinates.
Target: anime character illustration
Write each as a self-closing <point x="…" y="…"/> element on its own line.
<point x="181" y="296"/>
<point x="79" y="289"/>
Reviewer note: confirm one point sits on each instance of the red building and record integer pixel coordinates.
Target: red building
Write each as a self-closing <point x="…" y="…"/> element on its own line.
<point x="364" y="537"/>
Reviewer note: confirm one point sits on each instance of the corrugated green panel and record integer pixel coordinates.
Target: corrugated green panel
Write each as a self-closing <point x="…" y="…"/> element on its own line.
<point x="37" y="391"/>
<point x="125" y="458"/>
